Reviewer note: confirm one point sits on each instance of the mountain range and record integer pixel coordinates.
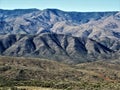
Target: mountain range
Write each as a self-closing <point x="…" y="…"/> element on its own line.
<point x="70" y="37"/>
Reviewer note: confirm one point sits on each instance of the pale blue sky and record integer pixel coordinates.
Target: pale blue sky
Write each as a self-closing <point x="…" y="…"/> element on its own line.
<point x="66" y="5"/>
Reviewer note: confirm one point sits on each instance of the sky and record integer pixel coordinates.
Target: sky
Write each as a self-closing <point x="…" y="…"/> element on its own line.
<point x="66" y="5"/>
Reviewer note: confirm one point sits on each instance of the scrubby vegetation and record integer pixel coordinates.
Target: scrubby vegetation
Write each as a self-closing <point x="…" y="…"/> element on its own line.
<point x="99" y="75"/>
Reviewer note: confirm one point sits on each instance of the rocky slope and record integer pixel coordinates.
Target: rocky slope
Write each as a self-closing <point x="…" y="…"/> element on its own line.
<point x="70" y="37"/>
<point x="99" y="75"/>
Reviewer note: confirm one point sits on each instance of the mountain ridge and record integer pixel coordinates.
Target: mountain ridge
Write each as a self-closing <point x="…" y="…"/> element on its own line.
<point x="71" y="37"/>
<point x="60" y="47"/>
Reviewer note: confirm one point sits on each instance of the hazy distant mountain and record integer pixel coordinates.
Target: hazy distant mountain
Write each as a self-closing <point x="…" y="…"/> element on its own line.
<point x="63" y="36"/>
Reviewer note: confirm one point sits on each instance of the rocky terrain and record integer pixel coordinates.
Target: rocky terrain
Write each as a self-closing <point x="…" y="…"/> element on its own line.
<point x="70" y="37"/>
<point x="98" y="75"/>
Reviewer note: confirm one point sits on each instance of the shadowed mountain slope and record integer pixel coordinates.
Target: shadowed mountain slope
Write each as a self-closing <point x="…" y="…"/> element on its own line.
<point x="59" y="47"/>
<point x="71" y="37"/>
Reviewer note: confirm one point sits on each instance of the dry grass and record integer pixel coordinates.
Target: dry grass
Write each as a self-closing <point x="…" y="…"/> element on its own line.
<point x="100" y="75"/>
<point x="35" y="88"/>
<point x="26" y="88"/>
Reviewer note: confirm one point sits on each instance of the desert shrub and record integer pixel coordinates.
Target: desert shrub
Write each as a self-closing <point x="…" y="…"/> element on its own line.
<point x="4" y="68"/>
<point x="13" y="88"/>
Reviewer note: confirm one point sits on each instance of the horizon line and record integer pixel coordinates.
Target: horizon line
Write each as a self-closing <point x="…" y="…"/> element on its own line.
<point x="61" y="10"/>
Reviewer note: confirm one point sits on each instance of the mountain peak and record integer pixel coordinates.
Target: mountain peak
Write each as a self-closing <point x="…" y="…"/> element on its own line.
<point x="75" y="36"/>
